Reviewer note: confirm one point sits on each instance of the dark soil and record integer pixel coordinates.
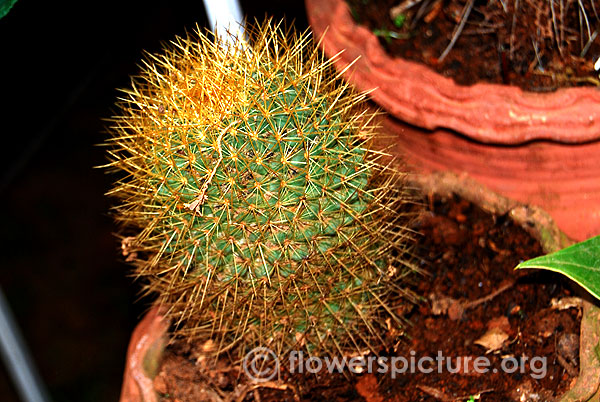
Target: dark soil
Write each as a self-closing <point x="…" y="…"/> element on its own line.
<point x="531" y="44"/>
<point x="470" y="258"/>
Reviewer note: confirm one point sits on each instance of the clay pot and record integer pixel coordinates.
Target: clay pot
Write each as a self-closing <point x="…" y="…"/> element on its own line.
<point x="148" y="339"/>
<point x="143" y="358"/>
<point x="537" y="148"/>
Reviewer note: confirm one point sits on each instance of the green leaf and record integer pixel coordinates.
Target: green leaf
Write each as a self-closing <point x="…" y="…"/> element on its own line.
<point x="5" y="6"/>
<point x="399" y="20"/>
<point x="389" y="35"/>
<point x="580" y="262"/>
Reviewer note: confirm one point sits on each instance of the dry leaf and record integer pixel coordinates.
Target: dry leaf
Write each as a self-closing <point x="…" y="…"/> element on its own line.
<point x="446" y="305"/>
<point x="493" y="339"/>
<point x="499" y="322"/>
<point x="566" y="303"/>
<point x="456" y="311"/>
<point x="440" y="304"/>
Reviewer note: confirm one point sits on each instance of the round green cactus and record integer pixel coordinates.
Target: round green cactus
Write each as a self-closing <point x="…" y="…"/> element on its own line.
<point x="254" y="206"/>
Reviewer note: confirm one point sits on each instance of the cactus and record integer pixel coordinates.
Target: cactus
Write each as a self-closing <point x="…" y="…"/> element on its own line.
<point x="250" y="200"/>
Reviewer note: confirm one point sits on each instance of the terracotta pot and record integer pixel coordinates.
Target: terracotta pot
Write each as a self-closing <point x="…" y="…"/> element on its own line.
<point x="148" y="339"/>
<point x="143" y="358"/>
<point x="538" y="148"/>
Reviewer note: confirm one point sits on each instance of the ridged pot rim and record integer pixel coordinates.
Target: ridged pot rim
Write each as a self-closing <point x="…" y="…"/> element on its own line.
<point x="412" y="92"/>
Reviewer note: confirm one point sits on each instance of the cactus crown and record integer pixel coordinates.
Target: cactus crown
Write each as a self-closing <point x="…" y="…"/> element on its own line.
<point x="258" y="213"/>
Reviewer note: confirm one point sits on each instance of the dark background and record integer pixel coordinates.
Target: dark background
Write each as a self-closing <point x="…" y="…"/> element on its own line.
<point x="60" y="65"/>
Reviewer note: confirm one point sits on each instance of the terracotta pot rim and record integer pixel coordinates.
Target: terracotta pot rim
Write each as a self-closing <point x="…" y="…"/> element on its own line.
<point x="490" y="113"/>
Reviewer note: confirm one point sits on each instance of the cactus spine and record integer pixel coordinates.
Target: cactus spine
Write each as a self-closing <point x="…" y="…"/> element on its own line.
<point x="251" y="203"/>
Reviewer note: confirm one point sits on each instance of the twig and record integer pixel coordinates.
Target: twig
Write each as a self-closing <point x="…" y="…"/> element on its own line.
<point x="241" y="393"/>
<point x="537" y="54"/>
<point x="489" y="297"/>
<point x="587" y="23"/>
<point x="589" y="44"/>
<point x="424" y="8"/>
<point x="504" y="6"/>
<point x="571" y="369"/>
<point x="436" y="393"/>
<point x="555" y="26"/>
<point x="402" y="7"/>
<point x="562" y="21"/>
<point x="594" y="9"/>
<point x="463" y="20"/>
<point x="512" y="30"/>
<point x="456" y="308"/>
<point x="442" y="396"/>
